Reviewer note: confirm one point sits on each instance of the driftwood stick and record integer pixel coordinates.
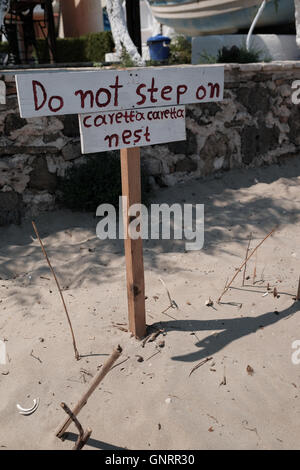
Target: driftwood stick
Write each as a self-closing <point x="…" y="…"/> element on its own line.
<point x="83" y="440"/>
<point x="247" y="251"/>
<point x="243" y="264"/>
<point x="298" y="291"/>
<point x="83" y="437"/>
<point x="77" y="356"/>
<point x="73" y="418"/>
<point x="96" y="381"/>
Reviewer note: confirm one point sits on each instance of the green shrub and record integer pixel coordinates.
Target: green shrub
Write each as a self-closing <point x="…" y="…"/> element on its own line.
<point x="126" y="60"/>
<point x="97" y="45"/>
<point x="180" y="51"/>
<point x="89" y="48"/>
<point x="238" y="55"/>
<point x="41" y="53"/>
<point x="68" y="50"/>
<point x="95" y="182"/>
<point x="71" y="50"/>
<point x="235" y="54"/>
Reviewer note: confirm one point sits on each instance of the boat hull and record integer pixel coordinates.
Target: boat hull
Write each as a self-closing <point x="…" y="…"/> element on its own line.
<point x="218" y="17"/>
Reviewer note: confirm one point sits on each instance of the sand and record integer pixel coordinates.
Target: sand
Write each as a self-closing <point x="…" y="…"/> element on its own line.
<point x="156" y="404"/>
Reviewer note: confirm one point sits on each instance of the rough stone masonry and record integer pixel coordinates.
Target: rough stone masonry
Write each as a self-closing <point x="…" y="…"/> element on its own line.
<point x="255" y="124"/>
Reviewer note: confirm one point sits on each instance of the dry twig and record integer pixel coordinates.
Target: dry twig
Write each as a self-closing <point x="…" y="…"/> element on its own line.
<point x="77" y="356"/>
<point x="245" y="267"/>
<point x="96" y="381"/>
<point x="83" y="437"/>
<point x="254" y="270"/>
<point x="173" y="304"/>
<point x="36" y="357"/>
<point x="200" y="364"/>
<point x="73" y="418"/>
<point x="243" y="264"/>
<point x="115" y="325"/>
<point x="80" y="443"/>
<point x="150" y="357"/>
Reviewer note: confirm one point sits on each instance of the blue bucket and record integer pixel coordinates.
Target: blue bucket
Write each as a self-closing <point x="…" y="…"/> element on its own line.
<point x="157" y="47"/>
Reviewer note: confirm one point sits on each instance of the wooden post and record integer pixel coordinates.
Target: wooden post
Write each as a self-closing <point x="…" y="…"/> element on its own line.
<point x="131" y="188"/>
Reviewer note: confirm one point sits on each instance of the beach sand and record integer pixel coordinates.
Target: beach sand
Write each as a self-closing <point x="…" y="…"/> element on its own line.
<point x="157" y="404"/>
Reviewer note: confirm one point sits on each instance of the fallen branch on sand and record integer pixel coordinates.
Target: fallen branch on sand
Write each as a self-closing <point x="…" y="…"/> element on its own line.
<point x="83" y="437"/>
<point x="84" y="399"/>
<point x="245" y="262"/>
<point x="200" y="364"/>
<point x="77" y="356"/>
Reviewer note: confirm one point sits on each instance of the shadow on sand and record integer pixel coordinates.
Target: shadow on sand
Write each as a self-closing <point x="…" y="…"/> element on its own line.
<point x="70" y="436"/>
<point x="230" y="329"/>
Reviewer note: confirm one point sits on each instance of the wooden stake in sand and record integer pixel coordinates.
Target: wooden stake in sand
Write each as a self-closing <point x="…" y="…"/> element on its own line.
<point x="245" y="262"/>
<point x="84" y="399"/>
<point x="77" y="356"/>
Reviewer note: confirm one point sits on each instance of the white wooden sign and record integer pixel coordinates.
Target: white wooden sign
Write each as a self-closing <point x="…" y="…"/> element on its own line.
<point x="54" y="93"/>
<point x="113" y="130"/>
<point x="123" y="109"/>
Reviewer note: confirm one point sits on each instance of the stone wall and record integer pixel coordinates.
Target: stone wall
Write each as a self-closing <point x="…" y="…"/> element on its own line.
<point x="256" y="124"/>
